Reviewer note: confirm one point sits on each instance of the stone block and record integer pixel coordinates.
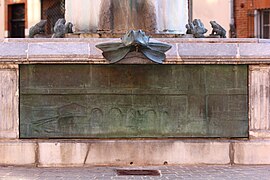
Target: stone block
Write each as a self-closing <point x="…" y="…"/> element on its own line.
<point x="95" y="53"/>
<point x="157" y="153"/>
<point x="58" y="51"/>
<point x="257" y="50"/>
<point x="207" y="50"/>
<point x="13" y="50"/>
<point x="259" y="134"/>
<point x="56" y="154"/>
<point x="252" y="152"/>
<point x="172" y="53"/>
<point x="17" y="153"/>
<point x="264" y="40"/>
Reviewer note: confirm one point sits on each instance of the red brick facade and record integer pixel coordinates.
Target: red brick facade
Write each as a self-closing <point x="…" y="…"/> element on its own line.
<point x="244" y="16"/>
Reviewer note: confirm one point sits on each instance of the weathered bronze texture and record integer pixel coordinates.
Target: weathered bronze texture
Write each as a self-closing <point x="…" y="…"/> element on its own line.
<point x="59" y="28"/>
<point x="218" y="29"/>
<point x="39" y="28"/>
<point x="126" y="101"/>
<point x="69" y="28"/>
<point x="134" y="41"/>
<point x="196" y="28"/>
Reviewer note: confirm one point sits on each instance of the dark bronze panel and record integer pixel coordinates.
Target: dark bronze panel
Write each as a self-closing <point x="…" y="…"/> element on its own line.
<point x="115" y="101"/>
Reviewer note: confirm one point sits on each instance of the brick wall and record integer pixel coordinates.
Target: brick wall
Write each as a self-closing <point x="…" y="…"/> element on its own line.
<point x="244" y="16"/>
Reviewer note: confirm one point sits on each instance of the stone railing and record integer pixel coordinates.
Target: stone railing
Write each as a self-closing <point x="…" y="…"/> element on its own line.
<point x="254" y="150"/>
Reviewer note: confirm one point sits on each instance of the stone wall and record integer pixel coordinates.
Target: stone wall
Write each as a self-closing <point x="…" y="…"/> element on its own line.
<point x="87" y="152"/>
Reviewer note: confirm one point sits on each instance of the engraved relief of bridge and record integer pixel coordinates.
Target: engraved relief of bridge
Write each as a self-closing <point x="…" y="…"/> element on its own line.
<point x="114" y="101"/>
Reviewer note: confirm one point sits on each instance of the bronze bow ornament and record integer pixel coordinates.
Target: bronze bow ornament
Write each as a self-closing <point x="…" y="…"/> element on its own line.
<point x="134" y="41"/>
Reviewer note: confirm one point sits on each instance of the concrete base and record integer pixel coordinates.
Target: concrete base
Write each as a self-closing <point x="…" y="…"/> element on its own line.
<point x="81" y="153"/>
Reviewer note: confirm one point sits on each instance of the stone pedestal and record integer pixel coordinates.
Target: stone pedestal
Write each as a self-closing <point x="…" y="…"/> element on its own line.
<point x="75" y="152"/>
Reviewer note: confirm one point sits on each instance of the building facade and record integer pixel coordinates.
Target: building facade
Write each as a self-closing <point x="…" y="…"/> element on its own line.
<point x="20" y="15"/>
<point x="2" y="18"/>
<point x="110" y="16"/>
<point x="252" y="18"/>
<point x="245" y="18"/>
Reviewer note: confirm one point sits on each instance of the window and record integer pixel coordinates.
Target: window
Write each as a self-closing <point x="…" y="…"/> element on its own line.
<point x="264" y="24"/>
<point x="16" y="17"/>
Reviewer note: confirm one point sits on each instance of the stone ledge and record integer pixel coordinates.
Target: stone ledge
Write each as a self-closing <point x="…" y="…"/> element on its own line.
<point x="17" y="153"/>
<point x="158" y="153"/>
<point x="259" y="134"/>
<point x="78" y="153"/>
<point x="184" y="51"/>
<point x="259" y="50"/>
<point x="58" y="51"/>
<point x="62" y="154"/>
<point x="252" y="152"/>
<point x="9" y="134"/>
<point x="16" y="51"/>
<point x="168" y="40"/>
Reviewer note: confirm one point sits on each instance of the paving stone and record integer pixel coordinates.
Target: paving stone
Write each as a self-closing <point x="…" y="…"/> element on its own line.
<point x="173" y="172"/>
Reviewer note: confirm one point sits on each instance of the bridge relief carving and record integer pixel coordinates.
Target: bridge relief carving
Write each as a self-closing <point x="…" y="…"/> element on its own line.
<point x="115" y="101"/>
<point x="81" y="120"/>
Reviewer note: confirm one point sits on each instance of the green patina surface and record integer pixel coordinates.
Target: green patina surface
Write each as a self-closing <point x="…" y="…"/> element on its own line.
<point x="115" y="101"/>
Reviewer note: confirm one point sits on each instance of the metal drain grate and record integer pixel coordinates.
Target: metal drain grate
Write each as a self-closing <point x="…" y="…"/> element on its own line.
<point x="132" y="172"/>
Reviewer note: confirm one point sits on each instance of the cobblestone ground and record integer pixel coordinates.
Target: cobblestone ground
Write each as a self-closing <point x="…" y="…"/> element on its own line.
<point x="167" y="172"/>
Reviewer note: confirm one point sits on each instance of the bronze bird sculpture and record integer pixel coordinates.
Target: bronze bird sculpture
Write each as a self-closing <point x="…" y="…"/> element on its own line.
<point x="134" y="41"/>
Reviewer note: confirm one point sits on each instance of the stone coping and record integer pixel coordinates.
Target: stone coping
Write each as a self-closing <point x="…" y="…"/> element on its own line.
<point x="184" y="51"/>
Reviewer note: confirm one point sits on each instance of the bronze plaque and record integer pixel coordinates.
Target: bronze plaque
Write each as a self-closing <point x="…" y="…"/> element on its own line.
<point x="125" y="101"/>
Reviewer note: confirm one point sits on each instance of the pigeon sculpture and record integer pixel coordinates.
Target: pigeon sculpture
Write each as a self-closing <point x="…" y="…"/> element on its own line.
<point x="39" y="28"/>
<point x="59" y="28"/>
